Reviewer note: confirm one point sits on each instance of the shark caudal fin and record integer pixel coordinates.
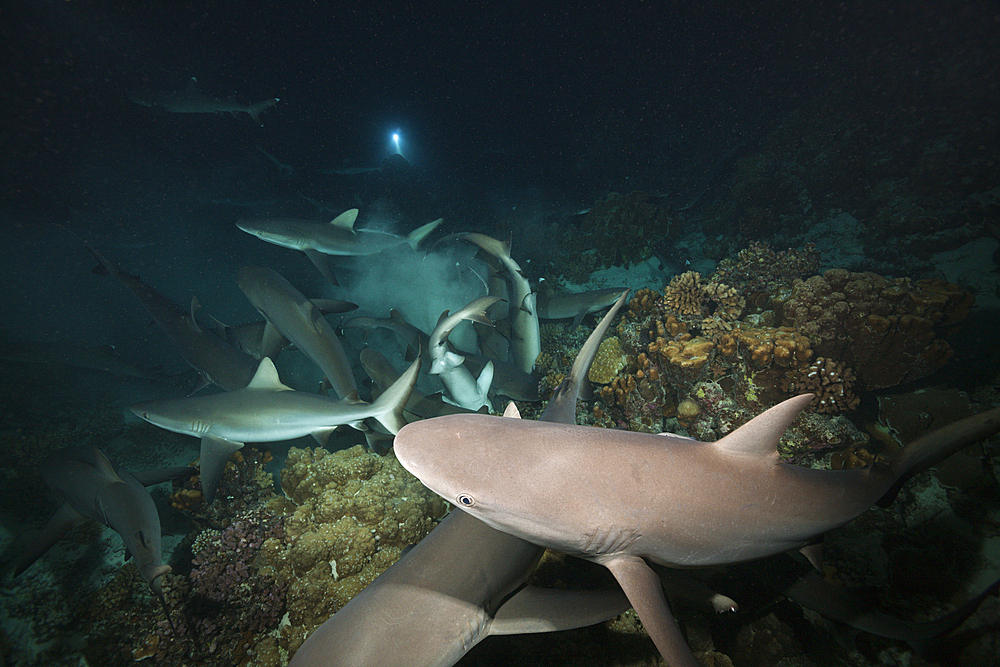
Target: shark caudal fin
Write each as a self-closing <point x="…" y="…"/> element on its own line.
<point x="934" y="447"/>
<point x="388" y="408"/>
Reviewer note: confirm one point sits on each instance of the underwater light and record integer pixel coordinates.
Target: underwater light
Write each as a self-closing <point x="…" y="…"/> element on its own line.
<point x="396" y="142"/>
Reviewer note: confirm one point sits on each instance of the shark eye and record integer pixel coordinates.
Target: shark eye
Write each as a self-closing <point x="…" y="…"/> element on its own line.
<point x="465" y="500"/>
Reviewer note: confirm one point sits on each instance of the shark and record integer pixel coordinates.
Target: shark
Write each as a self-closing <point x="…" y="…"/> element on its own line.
<point x="66" y="352"/>
<point x="191" y="100"/>
<point x="290" y="315"/>
<point x="337" y="238"/>
<point x="526" y="338"/>
<point x="625" y="499"/>
<point x="216" y="361"/>
<point x="576" y="305"/>
<point x="508" y="380"/>
<point x="92" y="487"/>
<point x="268" y="411"/>
<point x="462" y="583"/>
<point x="465" y="390"/>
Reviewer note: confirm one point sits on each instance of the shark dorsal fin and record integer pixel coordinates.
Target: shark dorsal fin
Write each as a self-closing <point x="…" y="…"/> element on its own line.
<point x="759" y="437"/>
<point x="511" y="411"/>
<point x="346" y="220"/>
<point x="105" y="468"/>
<point x="266" y="377"/>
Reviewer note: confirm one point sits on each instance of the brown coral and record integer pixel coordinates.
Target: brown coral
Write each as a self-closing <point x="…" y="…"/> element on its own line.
<point x="830" y="381"/>
<point x="885" y="329"/>
<point x="729" y="302"/>
<point x="685" y="294"/>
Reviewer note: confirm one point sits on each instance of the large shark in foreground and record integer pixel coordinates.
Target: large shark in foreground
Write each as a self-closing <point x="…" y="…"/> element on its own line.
<point x="622" y="498"/>
<point x="460" y="584"/>
<point x="268" y="411"/>
<point x="94" y="488"/>
<point x="190" y="100"/>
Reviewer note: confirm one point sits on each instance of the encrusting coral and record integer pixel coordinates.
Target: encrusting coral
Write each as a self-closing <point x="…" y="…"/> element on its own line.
<point x="886" y="330"/>
<point x="349" y="516"/>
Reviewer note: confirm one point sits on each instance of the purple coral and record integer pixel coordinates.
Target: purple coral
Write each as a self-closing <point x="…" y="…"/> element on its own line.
<point x="225" y="574"/>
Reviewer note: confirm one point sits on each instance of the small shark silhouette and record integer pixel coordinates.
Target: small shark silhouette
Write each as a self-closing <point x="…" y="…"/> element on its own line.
<point x="190" y="100"/>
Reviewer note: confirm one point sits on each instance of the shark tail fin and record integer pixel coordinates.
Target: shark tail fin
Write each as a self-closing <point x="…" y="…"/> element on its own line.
<point x="388" y="408"/>
<point x="932" y="448"/>
<point x="414" y="238"/>
<point x="157" y="587"/>
<point x="255" y="109"/>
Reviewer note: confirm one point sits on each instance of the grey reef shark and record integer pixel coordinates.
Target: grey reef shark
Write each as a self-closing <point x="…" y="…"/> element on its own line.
<point x="268" y="411"/>
<point x="191" y="100"/>
<point x="337" y="238"/>
<point x="291" y="316"/>
<point x="462" y="583"/>
<point x="216" y="361"/>
<point x="622" y="498"/>
<point x="92" y="487"/>
<point x="554" y="305"/>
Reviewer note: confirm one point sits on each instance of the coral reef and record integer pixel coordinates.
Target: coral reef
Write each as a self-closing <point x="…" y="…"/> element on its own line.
<point x="886" y="330"/>
<point x="619" y="228"/>
<point x="758" y="272"/>
<point x="226" y="584"/>
<point x="831" y="382"/>
<point x="349" y="516"/>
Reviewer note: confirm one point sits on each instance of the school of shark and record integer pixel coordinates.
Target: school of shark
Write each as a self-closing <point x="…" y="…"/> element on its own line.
<point x="500" y="334"/>
<point x="628" y="501"/>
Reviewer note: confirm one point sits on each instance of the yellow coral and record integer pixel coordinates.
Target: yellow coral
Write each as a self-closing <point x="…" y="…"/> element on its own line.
<point x="608" y="362"/>
<point x="351" y="513"/>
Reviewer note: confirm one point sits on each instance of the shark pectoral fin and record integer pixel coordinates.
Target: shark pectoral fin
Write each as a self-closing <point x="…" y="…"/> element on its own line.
<point x="642" y="586"/>
<point x="215" y="454"/>
<point x="533" y="609"/>
<point x="484" y="380"/>
<point x="34" y="546"/>
<point x="160" y="475"/>
<point x="322" y="435"/>
<point x="322" y="263"/>
<point x="333" y="306"/>
<point x="271" y="341"/>
<point x="578" y="318"/>
<point x="692" y="592"/>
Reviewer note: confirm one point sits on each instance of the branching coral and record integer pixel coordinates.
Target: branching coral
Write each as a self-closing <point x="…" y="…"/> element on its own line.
<point x="831" y="382"/>
<point x="685" y="294"/>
